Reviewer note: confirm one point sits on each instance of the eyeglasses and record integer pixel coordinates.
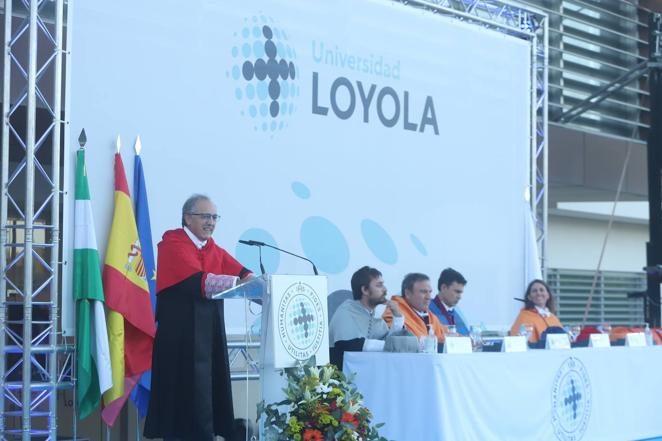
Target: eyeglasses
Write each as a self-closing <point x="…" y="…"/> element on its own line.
<point x="207" y="216"/>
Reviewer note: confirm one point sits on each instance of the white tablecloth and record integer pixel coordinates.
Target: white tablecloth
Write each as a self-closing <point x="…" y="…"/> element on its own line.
<point x="568" y="395"/>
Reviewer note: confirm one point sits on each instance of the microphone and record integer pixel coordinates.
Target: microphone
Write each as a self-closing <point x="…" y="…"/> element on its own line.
<point x="259" y="256"/>
<point x="257" y="243"/>
<point x="253" y="243"/>
<point x="519" y="300"/>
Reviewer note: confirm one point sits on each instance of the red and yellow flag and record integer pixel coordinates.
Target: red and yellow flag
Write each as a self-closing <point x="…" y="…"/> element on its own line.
<point x="130" y="320"/>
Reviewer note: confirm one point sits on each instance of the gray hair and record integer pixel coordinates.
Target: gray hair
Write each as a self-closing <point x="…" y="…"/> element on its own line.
<point x="190" y="204"/>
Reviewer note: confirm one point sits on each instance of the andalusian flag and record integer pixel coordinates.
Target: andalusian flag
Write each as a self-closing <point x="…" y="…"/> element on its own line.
<point x="130" y="319"/>
<point x="140" y="394"/>
<point x="92" y="356"/>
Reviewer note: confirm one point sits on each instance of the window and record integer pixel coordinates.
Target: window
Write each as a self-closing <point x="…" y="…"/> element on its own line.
<point x="592" y="43"/>
<point x="611" y="302"/>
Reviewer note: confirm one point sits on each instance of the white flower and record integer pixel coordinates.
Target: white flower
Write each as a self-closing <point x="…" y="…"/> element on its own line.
<point x="314" y="372"/>
<point x="323" y="389"/>
<point x="354" y="407"/>
<point x="327" y="371"/>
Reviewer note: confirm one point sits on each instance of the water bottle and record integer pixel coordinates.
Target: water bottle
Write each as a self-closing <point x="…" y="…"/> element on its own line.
<point x="431" y="341"/>
<point x="649" y="336"/>
<point x="476" y="338"/>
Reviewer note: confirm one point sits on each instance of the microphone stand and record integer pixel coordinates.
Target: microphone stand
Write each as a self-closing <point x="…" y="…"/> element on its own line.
<point x="259" y="248"/>
<point x="256" y="243"/>
<point x="292" y="254"/>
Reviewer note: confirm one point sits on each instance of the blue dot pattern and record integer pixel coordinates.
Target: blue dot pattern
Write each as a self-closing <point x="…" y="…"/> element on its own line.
<point x="571" y="405"/>
<point x="379" y="241"/>
<point x="301" y="190"/>
<point x="321" y="240"/>
<point x="302" y="322"/>
<point x="264" y="60"/>
<point x="324" y="244"/>
<point x="418" y="245"/>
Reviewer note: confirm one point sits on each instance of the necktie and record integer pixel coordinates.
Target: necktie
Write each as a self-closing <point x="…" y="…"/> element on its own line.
<point x="451" y="317"/>
<point x="426" y="319"/>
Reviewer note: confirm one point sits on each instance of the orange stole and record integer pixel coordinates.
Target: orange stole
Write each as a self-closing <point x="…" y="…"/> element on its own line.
<point x="413" y="322"/>
<point x="619" y="333"/>
<point x="539" y="323"/>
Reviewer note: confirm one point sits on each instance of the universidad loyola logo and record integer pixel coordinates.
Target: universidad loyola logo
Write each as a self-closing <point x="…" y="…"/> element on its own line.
<point x="571" y="400"/>
<point x="265" y="74"/>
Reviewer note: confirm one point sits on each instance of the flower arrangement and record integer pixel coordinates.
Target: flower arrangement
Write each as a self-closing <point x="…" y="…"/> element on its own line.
<point x="321" y="404"/>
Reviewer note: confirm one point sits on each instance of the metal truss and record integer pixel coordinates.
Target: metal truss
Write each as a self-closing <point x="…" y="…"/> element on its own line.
<point x="33" y="363"/>
<point x="529" y="24"/>
<point x="242" y="364"/>
<point x="634" y="74"/>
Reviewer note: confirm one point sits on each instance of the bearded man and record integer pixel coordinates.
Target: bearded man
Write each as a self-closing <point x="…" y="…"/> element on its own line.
<point x="354" y="326"/>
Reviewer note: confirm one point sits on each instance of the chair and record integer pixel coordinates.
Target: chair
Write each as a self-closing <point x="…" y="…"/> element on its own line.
<point x="334" y="300"/>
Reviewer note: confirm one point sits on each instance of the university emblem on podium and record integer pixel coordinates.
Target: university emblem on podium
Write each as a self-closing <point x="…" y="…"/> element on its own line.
<point x="301" y="321"/>
<point x="571" y="400"/>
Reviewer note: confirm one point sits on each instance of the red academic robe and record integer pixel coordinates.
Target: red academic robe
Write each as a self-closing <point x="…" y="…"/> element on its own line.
<point x="191" y="393"/>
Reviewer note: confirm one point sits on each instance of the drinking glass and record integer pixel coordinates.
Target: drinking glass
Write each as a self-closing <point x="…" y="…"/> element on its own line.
<point x="476" y="338"/>
<point x="421" y="343"/>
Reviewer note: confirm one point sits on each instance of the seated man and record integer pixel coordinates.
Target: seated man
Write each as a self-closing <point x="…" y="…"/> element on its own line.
<point x="413" y="304"/>
<point x="444" y="305"/>
<point x="354" y="326"/>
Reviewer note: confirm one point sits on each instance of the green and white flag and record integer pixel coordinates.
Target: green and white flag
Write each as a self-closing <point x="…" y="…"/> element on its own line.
<point x="93" y="357"/>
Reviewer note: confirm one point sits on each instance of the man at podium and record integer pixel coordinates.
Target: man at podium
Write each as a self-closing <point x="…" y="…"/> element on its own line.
<point x="191" y="393"/>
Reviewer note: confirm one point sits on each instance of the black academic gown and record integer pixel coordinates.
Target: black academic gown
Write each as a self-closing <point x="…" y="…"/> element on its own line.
<point x="191" y="394"/>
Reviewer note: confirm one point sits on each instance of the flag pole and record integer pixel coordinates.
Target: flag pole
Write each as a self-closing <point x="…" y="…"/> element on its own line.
<point x="138" y="145"/>
<point x="137" y="424"/>
<point x="82" y="140"/>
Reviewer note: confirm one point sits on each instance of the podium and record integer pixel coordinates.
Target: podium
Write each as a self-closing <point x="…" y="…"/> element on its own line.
<point x="294" y="324"/>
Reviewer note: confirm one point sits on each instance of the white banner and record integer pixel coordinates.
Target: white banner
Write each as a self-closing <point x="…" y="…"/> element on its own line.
<point x="353" y="132"/>
<point x="563" y="395"/>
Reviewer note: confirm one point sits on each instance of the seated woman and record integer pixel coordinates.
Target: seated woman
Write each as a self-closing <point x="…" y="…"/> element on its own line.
<point x="538" y="311"/>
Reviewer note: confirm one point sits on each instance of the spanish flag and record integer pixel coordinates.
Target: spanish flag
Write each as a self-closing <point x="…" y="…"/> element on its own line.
<point x="130" y="319"/>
